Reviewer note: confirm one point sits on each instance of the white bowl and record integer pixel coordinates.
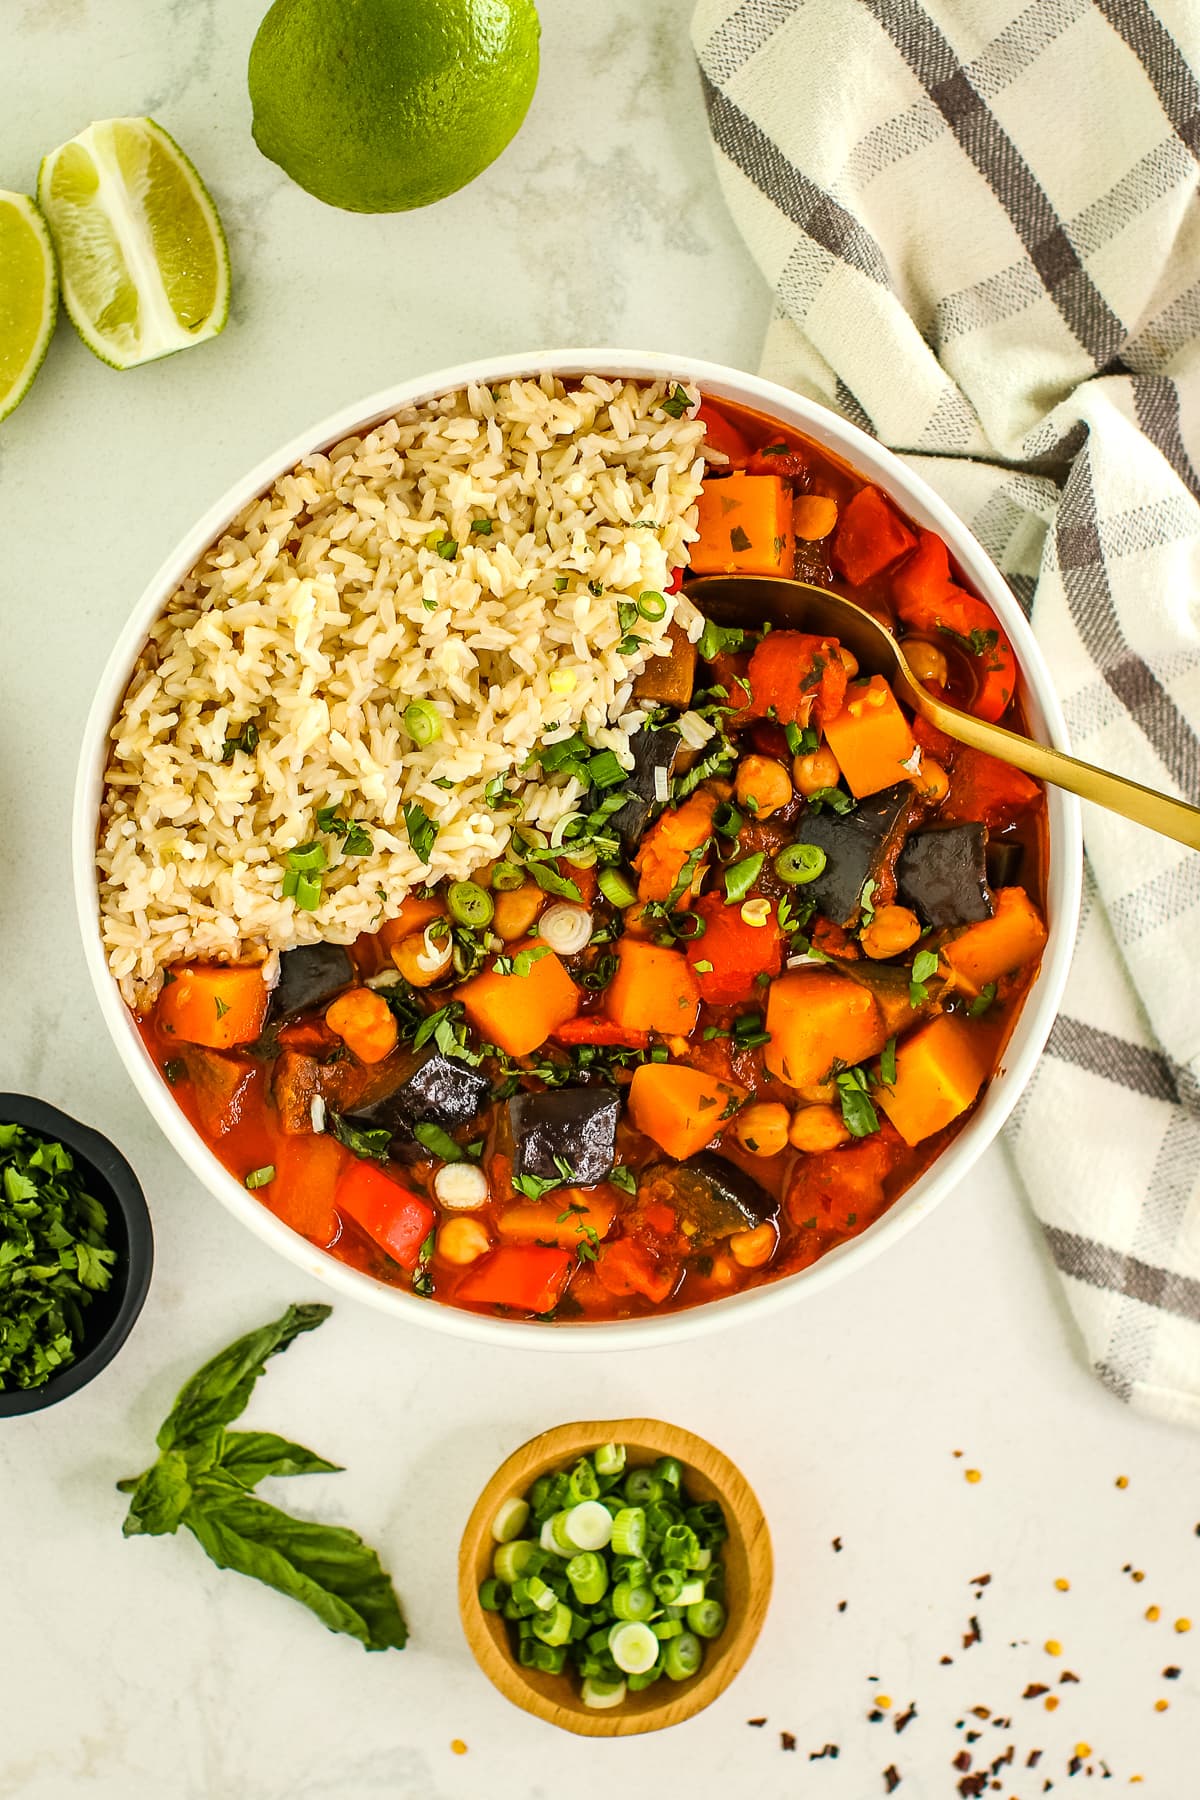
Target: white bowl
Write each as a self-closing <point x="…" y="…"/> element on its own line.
<point x="1024" y="1047"/>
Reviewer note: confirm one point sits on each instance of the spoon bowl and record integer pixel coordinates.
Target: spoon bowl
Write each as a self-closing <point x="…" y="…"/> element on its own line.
<point x="799" y="606"/>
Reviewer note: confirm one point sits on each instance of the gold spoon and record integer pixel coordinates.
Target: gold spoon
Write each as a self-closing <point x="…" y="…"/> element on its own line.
<point x="796" y="605"/>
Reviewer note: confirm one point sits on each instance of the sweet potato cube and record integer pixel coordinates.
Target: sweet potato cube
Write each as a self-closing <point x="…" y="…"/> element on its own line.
<point x="745" y="527"/>
<point x="871" y="738"/>
<point x="215" y="1004"/>
<point x="1013" y="936"/>
<point x="939" y="1070"/>
<point x="682" y="1109"/>
<point x="653" y="989"/>
<point x="817" y="1018"/>
<point x="518" y="1012"/>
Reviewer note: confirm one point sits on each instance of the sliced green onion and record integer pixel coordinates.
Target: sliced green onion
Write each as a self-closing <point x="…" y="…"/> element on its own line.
<point x="489" y="1595"/>
<point x="423" y="722"/>
<point x="641" y="1487"/>
<point x="636" y="1683"/>
<point x="690" y="1593"/>
<point x="308" y="892"/>
<point x="260" y="1177"/>
<point x="588" y="1577"/>
<point x="306" y="859"/>
<point x="582" y="1483"/>
<point x="609" y="1458"/>
<point x="706" y="1618"/>
<point x="554" y="1627"/>
<point x="506" y="876"/>
<point x="799" y="863"/>
<point x="470" y="904"/>
<point x="512" y="1515"/>
<point x="588" y="1525"/>
<point x="511" y="1560"/>
<point x="682" y="1656"/>
<point x="601" y="1695"/>
<point x="633" y="1647"/>
<point x="629" y="1602"/>
<point x="617" y="890"/>
<point x="629" y="1531"/>
<point x="740" y="878"/>
<point x="538" y="1592"/>
<point x="667" y="1585"/>
<point x="652" y="605"/>
<point x="549" y="1658"/>
<point x="669" y="1471"/>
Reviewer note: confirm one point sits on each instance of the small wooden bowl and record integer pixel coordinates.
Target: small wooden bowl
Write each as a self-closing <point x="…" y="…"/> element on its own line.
<point x="748" y="1571"/>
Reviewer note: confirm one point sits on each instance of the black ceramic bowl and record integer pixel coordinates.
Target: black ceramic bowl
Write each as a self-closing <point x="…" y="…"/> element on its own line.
<point x="111" y="1316"/>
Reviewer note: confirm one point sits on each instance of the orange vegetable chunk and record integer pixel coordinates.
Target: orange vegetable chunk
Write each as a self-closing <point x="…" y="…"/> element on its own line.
<point x="871" y="738"/>
<point x="670" y="841"/>
<point x="397" y="1219"/>
<point x="519" y="1012"/>
<point x="527" y="1278"/>
<point x="680" y="1108"/>
<point x="214" y="1004"/>
<point x="1013" y="936"/>
<point x="817" y="1018"/>
<point x="307" y="1171"/>
<point x="745" y="527"/>
<point x="541" y="1221"/>
<point x="871" y="536"/>
<point x="939" y="1070"/>
<point x="653" y="989"/>
<point x="415" y="914"/>
<point x="365" y="1023"/>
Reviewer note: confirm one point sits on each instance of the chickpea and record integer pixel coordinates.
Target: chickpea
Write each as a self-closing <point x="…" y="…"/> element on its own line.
<point x="517" y="911"/>
<point x="463" y="1240"/>
<point x="893" y="930"/>
<point x="848" y="661"/>
<point x="763" y="781"/>
<point x="820" y="769"/>
<point x="751" y="1249"/>
<point x="927" y="662"/>
<point x="413" y="951"/>
<point x="817" y="1128"/>
<point x="932" y="781"/>
<point x="762" y="1128"/>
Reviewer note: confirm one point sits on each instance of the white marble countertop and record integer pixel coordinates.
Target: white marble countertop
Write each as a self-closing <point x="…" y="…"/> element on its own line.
<point x="137" y="1671"/>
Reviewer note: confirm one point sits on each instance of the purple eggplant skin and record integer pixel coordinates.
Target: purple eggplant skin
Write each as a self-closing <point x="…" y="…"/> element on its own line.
<point x="565" y="1129"/>
<point x="430" y="1089"/>
<point x="308" y="976"/>
<point x="652" y="749"/>
<point x="857" y="845"/>
<point x="1004" y="859"/>
<point x="711" y="1198"/>
<point x="942" y="874"/>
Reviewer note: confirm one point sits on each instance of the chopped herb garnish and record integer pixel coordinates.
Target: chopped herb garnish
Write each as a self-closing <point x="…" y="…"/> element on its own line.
<point x="716" y="640"/>
<point x="982" y="1000"/>
<point x="481" y="527"/>
<point x="174" y="1070"/>
<point x="438" y="1141"/>
<point x="372" y="1144"/>
<point x="887" y="1063"/>
<point x="560" y="584"/>
<point x="676" y="403"/>
<point x="801" y="740"/>
<point x="221" y="1006"/>
<point x="924" y="965"/>
<point x="866" y="900"/>
<point x="422" y="832"/>
<point x="523" y="961"/>
<point x="738" y="539"/>
<point x="976" y="643"/>
<point x="261" y="1177"/>
<point x="858" y="1113"/>
<point x="741" y="876"/>
<point x="623" y="1177"/>
<point x="831" y="797"/>
<point x="245" y="740"/>
<point x="448" y="549"/>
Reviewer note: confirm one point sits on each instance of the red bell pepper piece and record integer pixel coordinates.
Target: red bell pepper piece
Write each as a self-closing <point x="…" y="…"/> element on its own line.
<point x="930" y="601"/>
<point x="738" y="952"/>
<point x="842" y="1190"/>
<point x="626" y="1268"/>
<point x="870" y="537"/>
<point x="397" y="1219"/>
<point x="771" y="459"/>
<point x="920" y="584"/>
<point x="525" y="1278"/>
<point x="592" y="1028"/>
<point x="800" y="675"/>
<point x="308" y="1169"/>
<point x="983" y="788"/>
<point x="933" y="742"/>
<point x="720" y="435"/>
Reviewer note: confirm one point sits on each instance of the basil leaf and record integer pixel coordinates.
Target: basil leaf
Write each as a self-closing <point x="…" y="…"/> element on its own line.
<point x="422" y="832"/>
<point x="251" y="1456"/>
<point x="372" y="1144"/>
<point x="327" y="1568"/>
<point x="551" y="882"/>
<point x="160" y="1497"/>
<point x="858" y="1113"/>
<point x="219" y="1391"/>
<point x="437" y="1140"/>
<point x="716" y="639"/>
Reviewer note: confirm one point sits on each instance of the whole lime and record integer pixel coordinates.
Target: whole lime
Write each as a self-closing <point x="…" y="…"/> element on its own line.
<point x="382" y="105"/>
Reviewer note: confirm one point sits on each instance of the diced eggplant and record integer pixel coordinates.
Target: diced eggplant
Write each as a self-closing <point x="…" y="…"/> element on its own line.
<point x="942" y="874"/>
<point x="308" y="976"/>
<point x="652" y="750"/>
<point x="669" y="680"/>
<point x="711" y="1198"/>
<point x="572" y="1128"/>
<point x="857" y="845"/>
<point x="1004" y="859"/>
<point x="431" y="1089"/>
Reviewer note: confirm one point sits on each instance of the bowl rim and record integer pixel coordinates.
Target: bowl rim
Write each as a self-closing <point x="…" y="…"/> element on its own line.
<point x="560" y="1445"/>
<point x="93" y="1148"/>
<point x="1064" y="874"/>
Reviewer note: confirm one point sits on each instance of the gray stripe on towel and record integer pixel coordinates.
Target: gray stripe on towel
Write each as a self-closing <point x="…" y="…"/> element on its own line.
<point x="1103" y="1267"/>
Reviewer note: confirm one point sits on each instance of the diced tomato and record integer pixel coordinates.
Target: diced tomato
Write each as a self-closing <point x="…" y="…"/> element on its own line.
<point x="843" y="1189"/>
<point x="930" y="601"/>
<point x="593" y="1028"/>
<point x="770" y="739"/>
<point x="660" y="1218"/>
<point x="628" y="1268"/>
<point x="397" y="1219"/>
<point x="919" y="585"/>
<point x="527" y="1278"/>
<point x="800" y="675"/>
<point x="833" y="939"/>
<point x="307" y="1172"/>
<point x="870" y="537"/>
<point x="933" y="742"/>
<point x="738" y="952"/>
<point x="729" y="671"/>
<point x="988" y="790"/>
<point x="723" y="437"/>
<point x="775" y="458"/>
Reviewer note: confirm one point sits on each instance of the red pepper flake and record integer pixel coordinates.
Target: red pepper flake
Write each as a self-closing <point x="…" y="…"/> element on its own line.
<point x="974" y="1636"/>
<point x="1171" y="1673"/>
<point x="786" y="1741"/>
<point x="827" y="1750"/>
<point x="1067" y="1676"/>
<point x="756" y="1721"/>
<point x="906" y="1718"/>
<point x="945" y="1661"/>
<point x="962" y="1761"/>
<point x="1035" y="1690"/>
<point x="1033" y="1759"/>
<point x="874" y="1716"/>
<point x="982" y="1712"/>
<point x="1002" y="1761"/>
<point x="891" y="1778"/>
<point x="980" y="1580"/>
<point x="837" y="1543"/>
<point x="841" y="1606"/>
<point x="972" y="1785"/>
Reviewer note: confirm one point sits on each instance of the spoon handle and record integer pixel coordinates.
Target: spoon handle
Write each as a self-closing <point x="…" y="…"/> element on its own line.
<point x="1173" y="818"/>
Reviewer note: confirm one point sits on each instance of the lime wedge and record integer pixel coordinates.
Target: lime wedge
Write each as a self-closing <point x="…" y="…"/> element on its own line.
<point x="28" y="297"/>
<point x="145" y="269"/>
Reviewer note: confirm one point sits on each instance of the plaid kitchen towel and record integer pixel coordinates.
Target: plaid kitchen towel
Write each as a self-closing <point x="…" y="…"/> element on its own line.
<point x="980" y="222"/>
